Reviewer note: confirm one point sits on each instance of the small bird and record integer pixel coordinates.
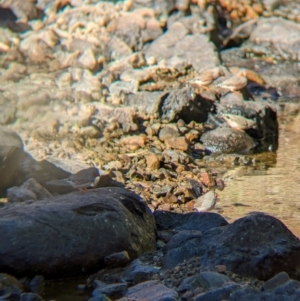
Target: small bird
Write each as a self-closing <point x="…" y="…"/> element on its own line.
<point x="207" y="77"/>
<point x="83" y="179"/>
<point x="206" y="202"/>
<point x="239" y="122"/>
<point x="235" y="82"/>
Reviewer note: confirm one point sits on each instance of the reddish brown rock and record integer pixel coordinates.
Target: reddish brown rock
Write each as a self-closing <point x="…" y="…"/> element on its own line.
<point x="153" y="161"/>
<point x="133" y="140"/>
<point x="177" y="143"/>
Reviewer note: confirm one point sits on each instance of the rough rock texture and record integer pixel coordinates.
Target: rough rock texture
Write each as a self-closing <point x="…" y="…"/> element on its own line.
<point x="138" y="272"/>
<point x="145" y="102"/>
<point x="289" y="291"/>
<point x="277" y="36"/>
<point x="257" y="246"/>
<point x="202" y="221"/>
<point x="11" y="150"/>
<point x="135" y="28"/>
<point x="207" y="280"/>
<point x="190" y="49"/>
<point x="265" y="129"/>
<point x="218" y="294"/>
<point x="8" y="110"/>
<point x="186" y="105"/>
<point x="151" y="291"/>
<point x="30" y="190"/>
<point x="227" y="140"/>
<point x="69" y="233"/>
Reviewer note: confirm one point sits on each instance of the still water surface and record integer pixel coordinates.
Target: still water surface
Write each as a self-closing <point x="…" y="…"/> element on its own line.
<point x="272" y="187"/>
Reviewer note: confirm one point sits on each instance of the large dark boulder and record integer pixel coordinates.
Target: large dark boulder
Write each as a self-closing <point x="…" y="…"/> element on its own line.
<point x="72" y="233"/>
<point x="257" y="245"/>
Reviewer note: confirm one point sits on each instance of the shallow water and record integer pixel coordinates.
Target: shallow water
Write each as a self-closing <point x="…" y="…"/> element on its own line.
<point x="273" y="186"/>
<point x="66" y="290"/>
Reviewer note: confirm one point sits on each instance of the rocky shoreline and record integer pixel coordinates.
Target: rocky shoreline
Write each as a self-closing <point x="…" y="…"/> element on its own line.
<point x="121" y="87"/>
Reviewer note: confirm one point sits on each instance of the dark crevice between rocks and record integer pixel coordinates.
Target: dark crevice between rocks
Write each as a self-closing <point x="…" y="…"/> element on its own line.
<point x="161" y="105"/>
<point x="10" y="20"/>
<point x="93" y="209"/>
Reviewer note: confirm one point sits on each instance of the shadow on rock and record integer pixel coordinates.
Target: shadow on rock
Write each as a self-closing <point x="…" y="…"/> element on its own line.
<point x="72" y="233"/>
<point x="257" y="245"/>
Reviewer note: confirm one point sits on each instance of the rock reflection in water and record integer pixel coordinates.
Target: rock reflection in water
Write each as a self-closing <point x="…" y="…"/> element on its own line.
<point x="274" y="190"/>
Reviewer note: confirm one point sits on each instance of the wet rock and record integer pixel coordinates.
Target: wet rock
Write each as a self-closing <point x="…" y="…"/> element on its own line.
<point x="227" y="140"/>
<point x="138" y="272"/>
<point x="151" y="291"/>
<point x="117" y="259"/>
<point x="11" y="150"/>
<point x="54" y="242"/>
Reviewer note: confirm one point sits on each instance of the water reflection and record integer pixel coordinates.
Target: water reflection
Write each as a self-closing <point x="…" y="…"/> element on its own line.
<point x="272" y="187"/>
